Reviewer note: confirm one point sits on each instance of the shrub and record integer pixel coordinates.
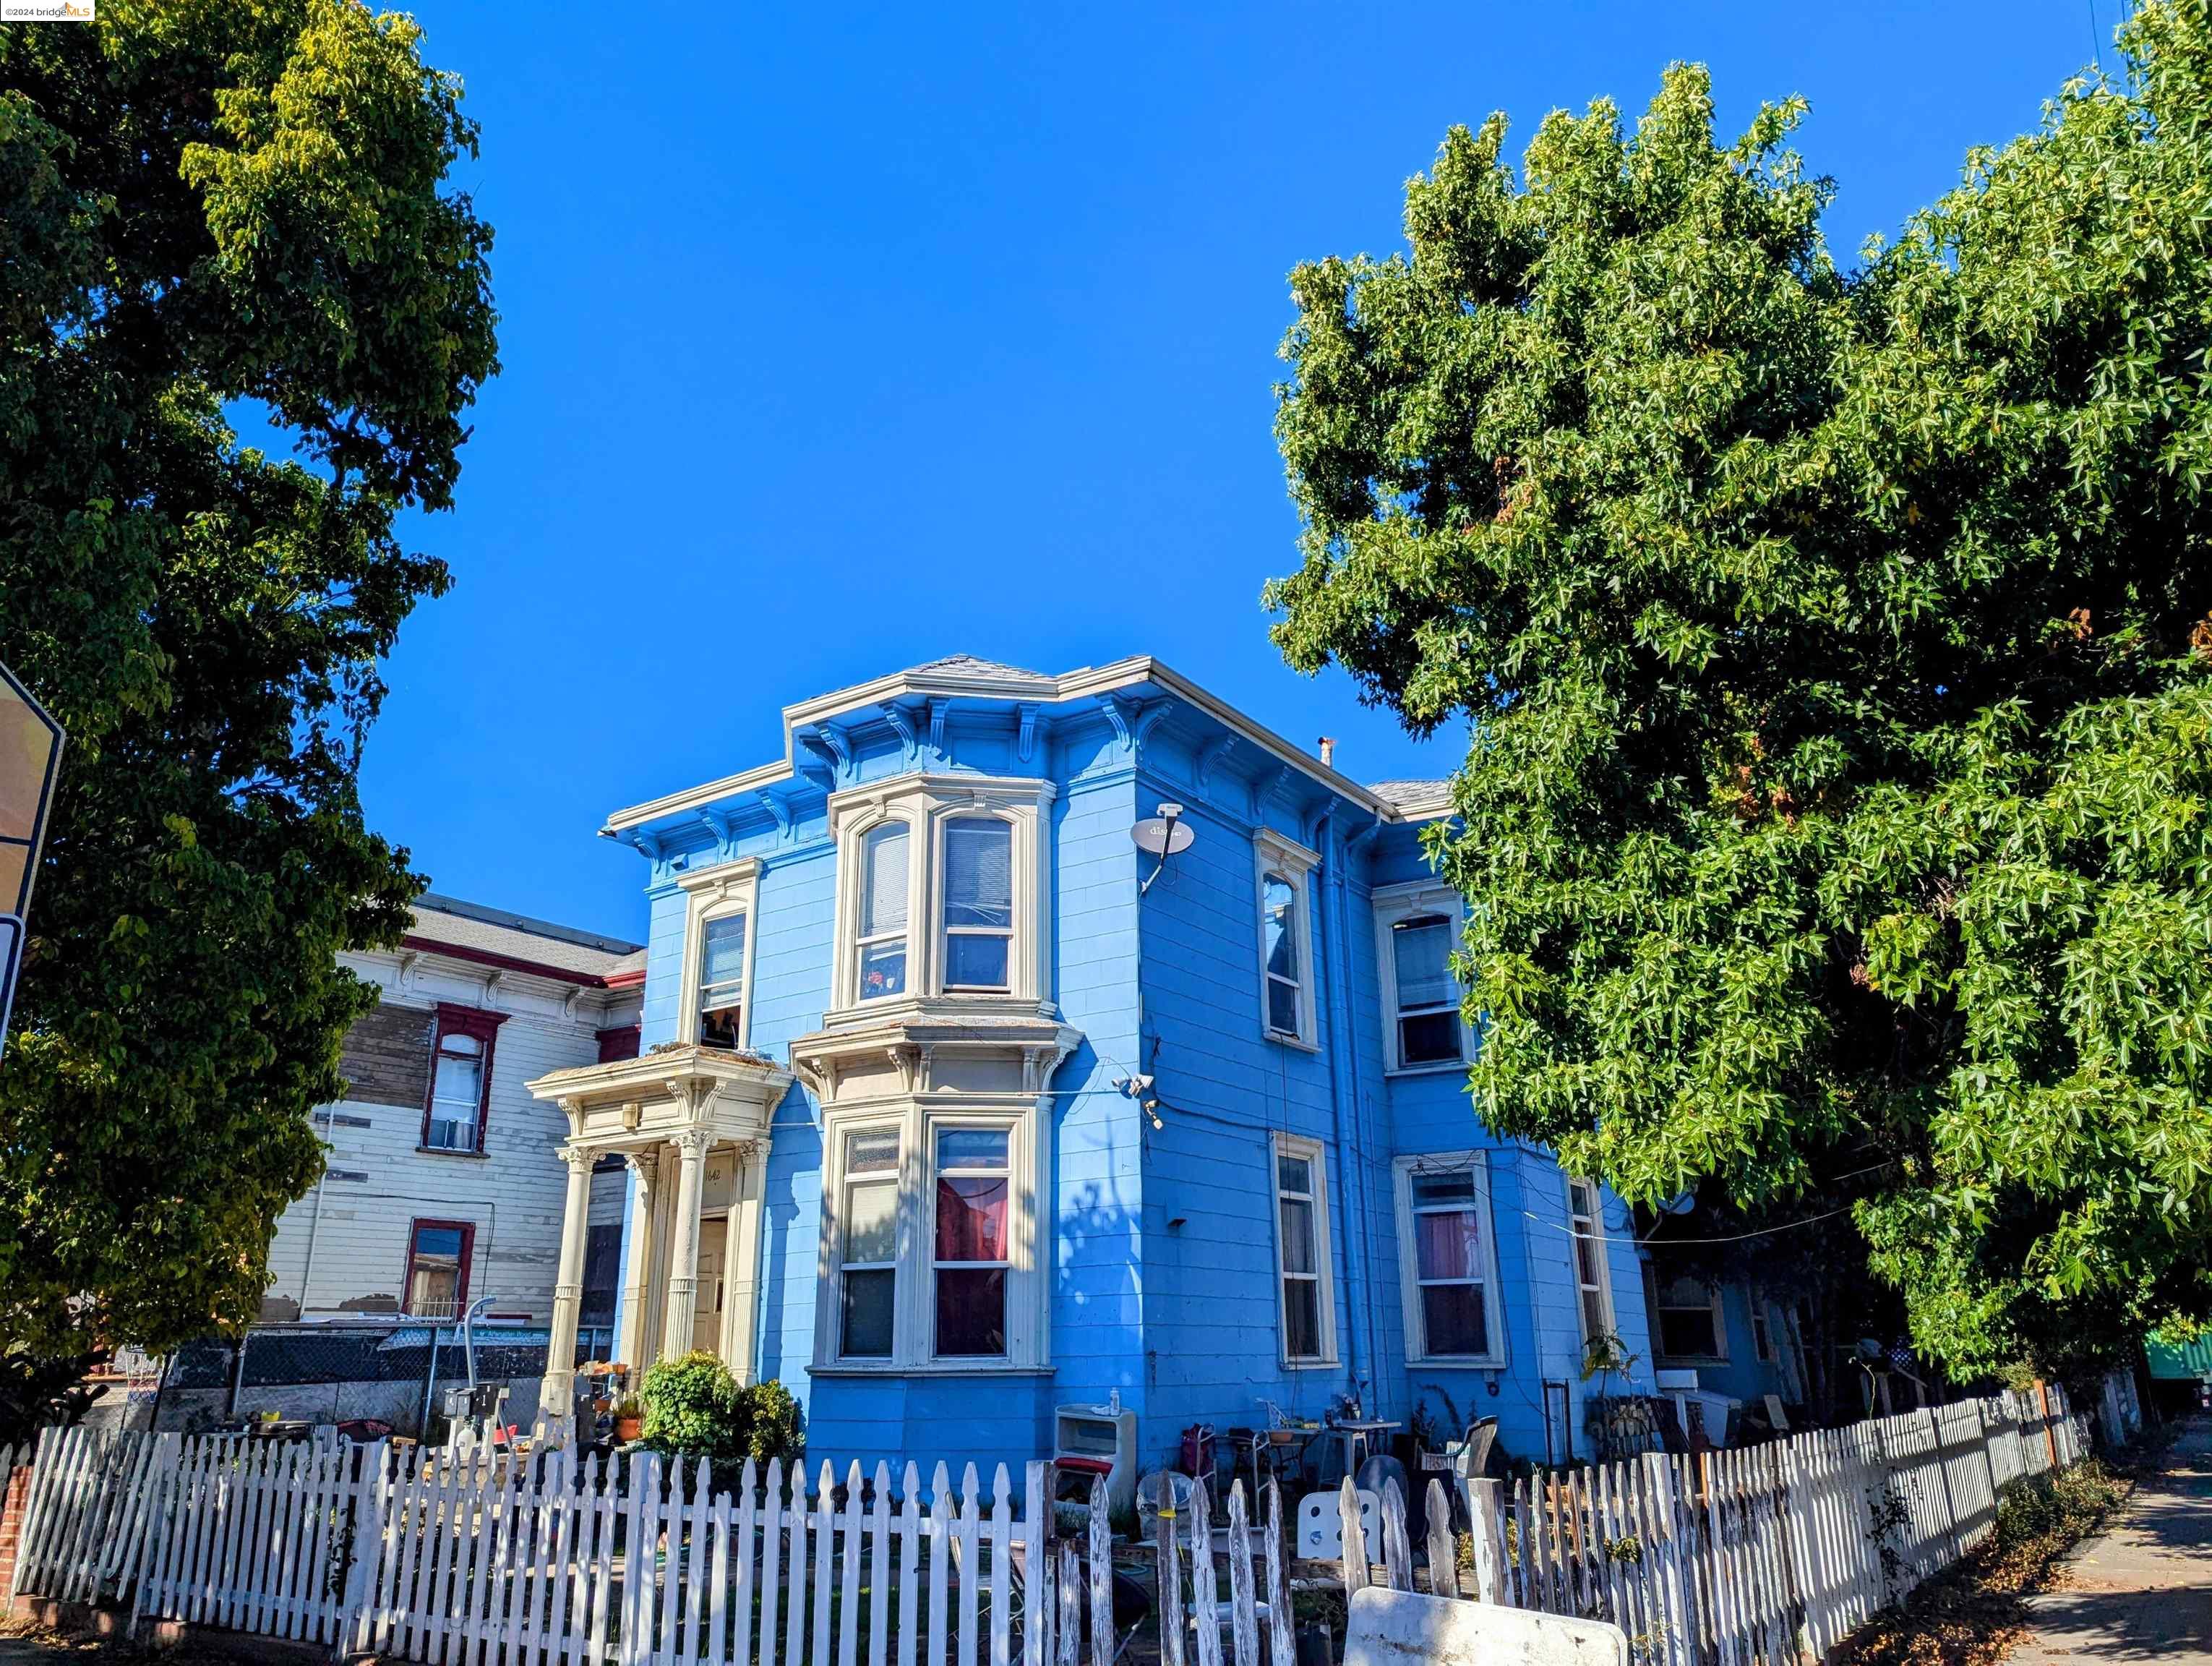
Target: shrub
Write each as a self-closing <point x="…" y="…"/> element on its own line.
<point x="695" y="1408"/>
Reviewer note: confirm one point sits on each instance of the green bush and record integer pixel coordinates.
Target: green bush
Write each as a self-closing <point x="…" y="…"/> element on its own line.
<point x="695" y="1408"/>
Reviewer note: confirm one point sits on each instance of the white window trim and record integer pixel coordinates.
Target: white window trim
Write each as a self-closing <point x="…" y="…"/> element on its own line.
<point x="926" y="803"/>
<point x="1477" y="1163"/>
<point x="1659" y="1332"/>
<point x="1410" y="901"/>
<point x="1604" y="1256"/>
<point x="1281" y="1145"/>
<point x="715" y="893"/>
<point x="914" y="1316"/>
<point x="1274" y="854"/>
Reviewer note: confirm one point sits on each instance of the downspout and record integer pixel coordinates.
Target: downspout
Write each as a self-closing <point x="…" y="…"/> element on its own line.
<point x="1341" y="883"/>
<point x="1355" y="1258"/>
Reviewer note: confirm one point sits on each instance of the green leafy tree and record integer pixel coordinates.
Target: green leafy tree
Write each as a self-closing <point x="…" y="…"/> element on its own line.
<point x="201" y="203"/>
<point x="1832" y="653"/>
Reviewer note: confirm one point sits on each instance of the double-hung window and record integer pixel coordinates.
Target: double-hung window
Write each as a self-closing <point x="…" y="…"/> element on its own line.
<point x="884" y="887"/>
<point x="722" y="981"/>
<point x="1448" y="1263"/>
<point x="974" y="1170"/>
<point x="1586" y="1220"/>
<point x="978" y="902"/>
<point x="1417" y="925"/>
<point x="1282" y="871"/>
<point x="868" y="1269"/>
<point x="455" y="1118"/>
<point x="1302" y="1261"/>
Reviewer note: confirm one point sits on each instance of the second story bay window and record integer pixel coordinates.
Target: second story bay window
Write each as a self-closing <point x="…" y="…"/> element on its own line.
<point x="1417" y="927"/>
<point x="942" y="896"/>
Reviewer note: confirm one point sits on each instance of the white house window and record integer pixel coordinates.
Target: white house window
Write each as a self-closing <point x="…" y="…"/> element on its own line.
<point x="1585" y="1217"/>
<point x="979" y="902"/>
<point x="722" y="981"/>
<point x="1447" y="1261"/>
<point x="868" y="1274"/>
<point x="1286" y="996"/>
<point x="1687" y="1311"/>
<point x="1416" y="926"/>
<point x="974" y="1172"/>
<point x="883" y="883"/>
<point x="1302" y="1263"/>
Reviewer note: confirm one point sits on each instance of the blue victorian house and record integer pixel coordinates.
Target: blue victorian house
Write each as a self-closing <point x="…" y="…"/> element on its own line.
<point x="957" y="1104"/>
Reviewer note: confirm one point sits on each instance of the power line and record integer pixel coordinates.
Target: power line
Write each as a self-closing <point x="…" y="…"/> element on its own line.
<point x="1733" y="1238"/>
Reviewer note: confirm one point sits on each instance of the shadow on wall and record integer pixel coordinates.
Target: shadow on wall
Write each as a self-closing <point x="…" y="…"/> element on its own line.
<point x="798" y="1150"/>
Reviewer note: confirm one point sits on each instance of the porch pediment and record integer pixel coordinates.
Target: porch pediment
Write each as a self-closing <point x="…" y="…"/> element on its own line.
<point x="634" y="1103"/>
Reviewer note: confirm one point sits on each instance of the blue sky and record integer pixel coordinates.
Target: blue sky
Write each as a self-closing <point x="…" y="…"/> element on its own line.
<point x="836" y="340"/>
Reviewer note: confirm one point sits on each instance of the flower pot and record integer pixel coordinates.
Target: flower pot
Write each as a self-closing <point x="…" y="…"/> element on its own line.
<point x="628" y="1429"/>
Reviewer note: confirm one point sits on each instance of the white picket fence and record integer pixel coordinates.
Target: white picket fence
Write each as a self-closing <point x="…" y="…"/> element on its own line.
<point x="473" y="1556"/>
<point x="1758" y="1557"/>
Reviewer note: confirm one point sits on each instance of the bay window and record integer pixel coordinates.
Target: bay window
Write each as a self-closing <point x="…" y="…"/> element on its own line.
<point x="1417" y="927"/>
<point x="942" y="897"/>
<point x="930" y="1237"/>
<point x="1304" y="1285"/>
<point x="1448" y="1260"/>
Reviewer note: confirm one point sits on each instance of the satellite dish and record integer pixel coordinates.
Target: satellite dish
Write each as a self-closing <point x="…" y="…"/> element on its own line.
<point x="1164" y="834"/>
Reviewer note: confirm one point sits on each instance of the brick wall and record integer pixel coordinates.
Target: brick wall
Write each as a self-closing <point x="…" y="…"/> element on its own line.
<point x="13" y="1502"/>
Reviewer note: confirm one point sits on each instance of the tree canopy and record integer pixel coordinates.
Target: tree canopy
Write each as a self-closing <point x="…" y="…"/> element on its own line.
<point x="204" y="207"/>
<point x="1832" y="650"/>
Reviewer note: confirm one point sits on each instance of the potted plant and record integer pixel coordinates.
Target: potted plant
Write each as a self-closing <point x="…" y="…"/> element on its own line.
<point x="629" y="1419"/>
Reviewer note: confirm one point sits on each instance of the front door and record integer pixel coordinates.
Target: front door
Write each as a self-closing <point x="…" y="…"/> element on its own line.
<point x="706" y="1321"/>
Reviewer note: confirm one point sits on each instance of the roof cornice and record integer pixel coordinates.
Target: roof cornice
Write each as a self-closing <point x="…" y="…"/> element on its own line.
<point x="1089" y="681"/>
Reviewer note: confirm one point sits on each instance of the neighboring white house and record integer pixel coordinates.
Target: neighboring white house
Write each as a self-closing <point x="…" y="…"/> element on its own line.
<point x="445" y="1182"/>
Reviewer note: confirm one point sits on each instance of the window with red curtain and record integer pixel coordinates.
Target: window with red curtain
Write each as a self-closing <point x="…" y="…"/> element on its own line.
<point x="973" y="1186"/>
<point x="459" y="1108"/>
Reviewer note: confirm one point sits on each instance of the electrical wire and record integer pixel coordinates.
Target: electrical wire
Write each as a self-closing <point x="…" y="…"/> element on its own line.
<point x="1734" y="1237"/>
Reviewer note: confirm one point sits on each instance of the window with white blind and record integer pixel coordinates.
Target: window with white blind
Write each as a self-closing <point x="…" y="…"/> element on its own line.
<point x="1417" y="927"/>
<point x="457" y="1115"/>
<point x="868" y="1211"/>
<point x="886" y="881"/>
<point x="1447" y="1261"/>
<point x="979" y="902"/>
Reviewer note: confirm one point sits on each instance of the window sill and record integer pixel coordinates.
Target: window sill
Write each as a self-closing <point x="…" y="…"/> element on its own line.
<point x="1310" y="1365"/>
<point x="447" y="1151"/>
<point x="1454" y="1362"/>
<point x="1689" y="1361"/>
<point x="1443" y="1067"/>
<point x="935" y="1368"/>
<point x="1299" y="1042"/>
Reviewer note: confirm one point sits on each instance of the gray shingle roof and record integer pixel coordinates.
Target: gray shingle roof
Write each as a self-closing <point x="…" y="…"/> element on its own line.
<point x="461" y="925"/>
<point x="1400" y="793"/>
<point x="967" y="664"/>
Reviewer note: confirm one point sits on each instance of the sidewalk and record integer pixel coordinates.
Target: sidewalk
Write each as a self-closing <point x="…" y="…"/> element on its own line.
<point x="2142" y="1589"/>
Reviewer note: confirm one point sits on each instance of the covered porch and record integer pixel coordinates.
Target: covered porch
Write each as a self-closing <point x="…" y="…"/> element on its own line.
<point x="692" y="1124"/>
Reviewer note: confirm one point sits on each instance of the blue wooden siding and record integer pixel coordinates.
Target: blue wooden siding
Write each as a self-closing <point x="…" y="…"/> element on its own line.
<point x="1161" y="1244"/>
